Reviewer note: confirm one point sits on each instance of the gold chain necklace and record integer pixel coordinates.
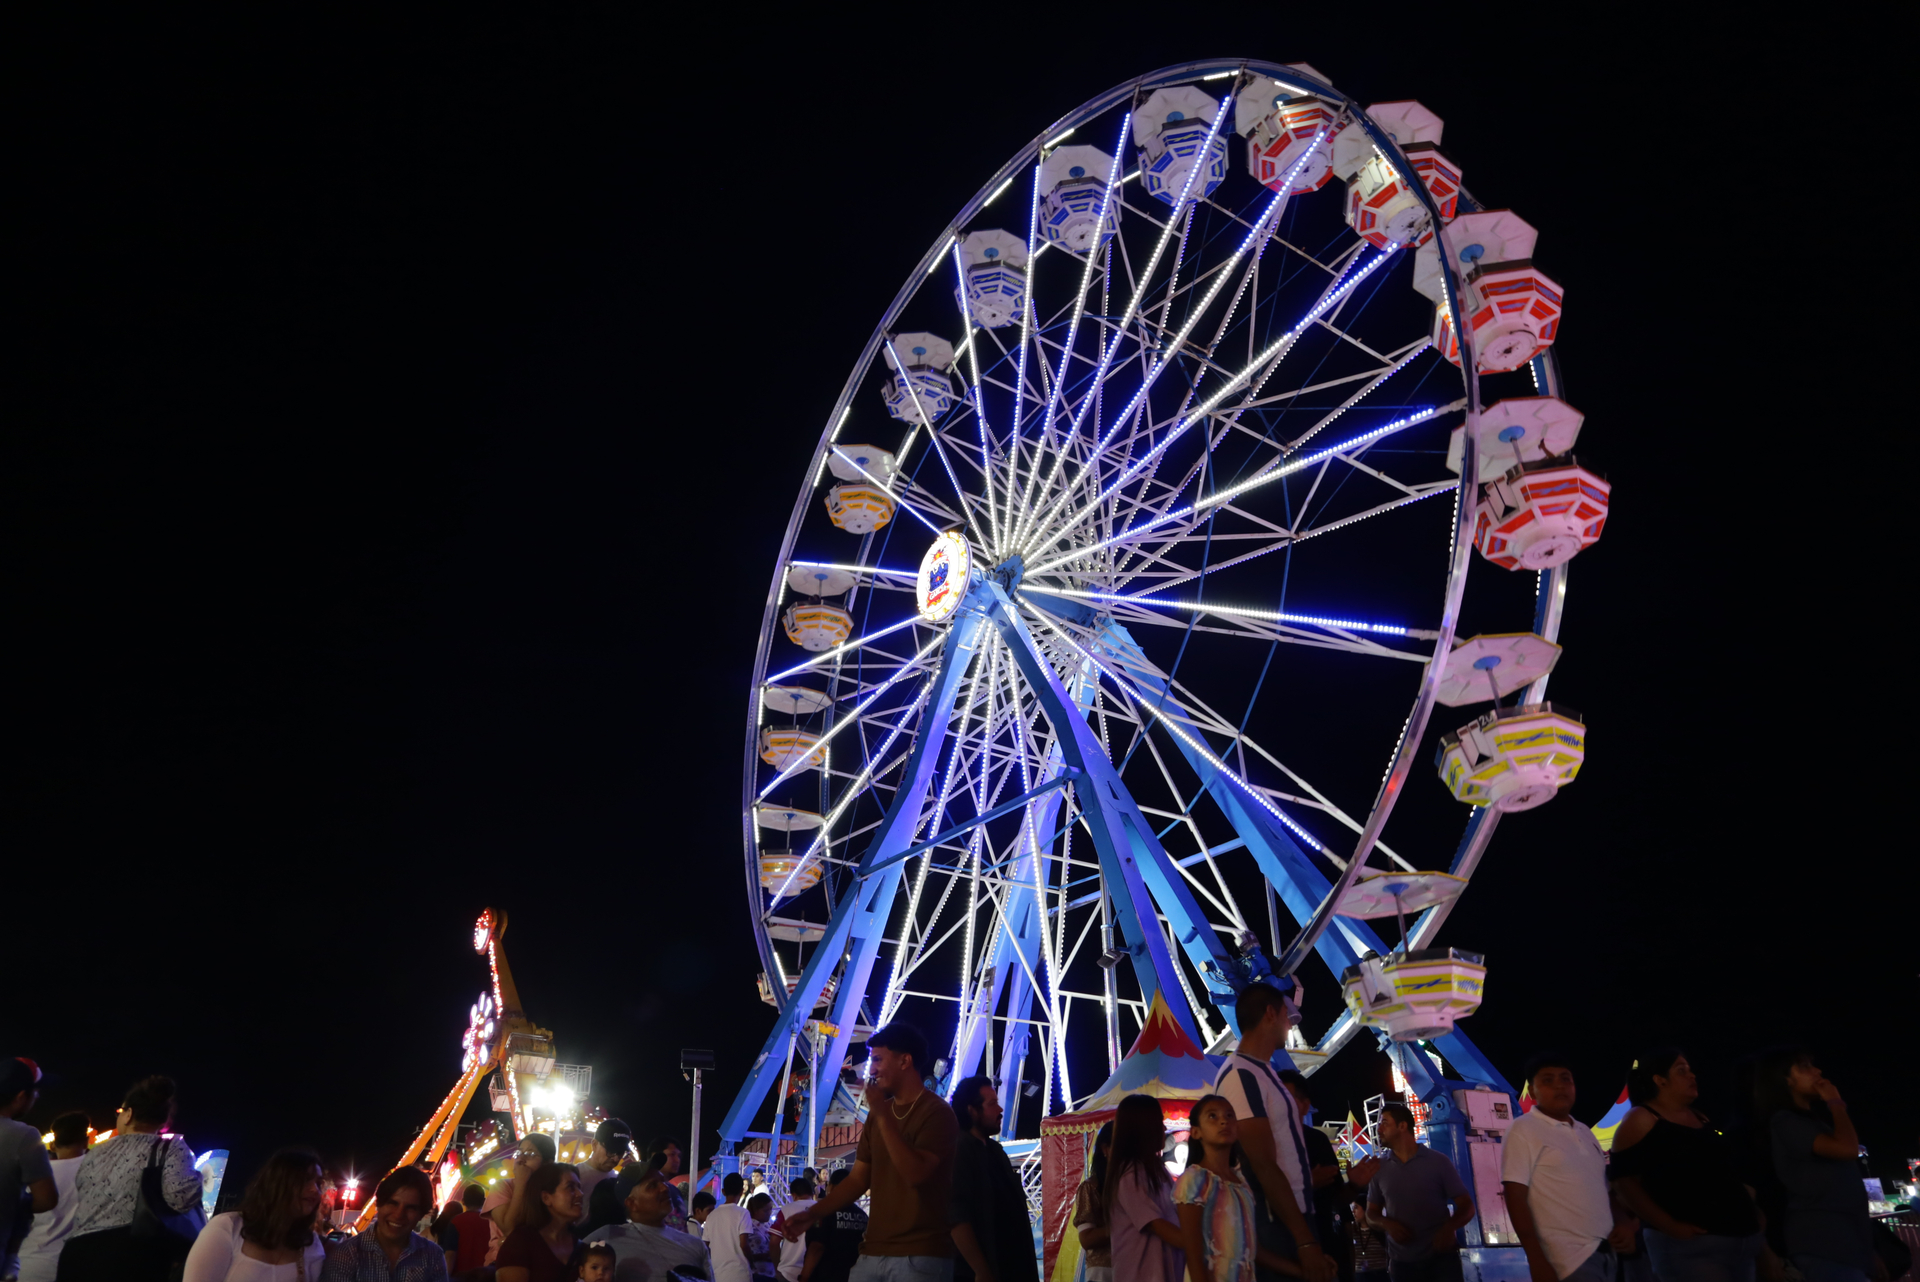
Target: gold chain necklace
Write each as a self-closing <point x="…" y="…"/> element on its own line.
<point x="899" y="1116"/>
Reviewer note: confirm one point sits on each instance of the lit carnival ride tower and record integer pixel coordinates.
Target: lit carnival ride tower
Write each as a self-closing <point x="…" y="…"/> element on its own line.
<point x="500" y="1039"/>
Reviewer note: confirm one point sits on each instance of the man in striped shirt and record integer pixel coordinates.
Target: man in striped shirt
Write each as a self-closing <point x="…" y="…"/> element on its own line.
<point x="1277" y="1151"/>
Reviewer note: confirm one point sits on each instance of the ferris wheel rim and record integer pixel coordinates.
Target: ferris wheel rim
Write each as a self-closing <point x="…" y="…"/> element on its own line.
<point x="933" y="260"/>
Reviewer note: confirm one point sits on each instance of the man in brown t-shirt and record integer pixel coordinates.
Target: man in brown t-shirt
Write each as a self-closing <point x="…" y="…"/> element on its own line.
<point x="905" y="1161"/>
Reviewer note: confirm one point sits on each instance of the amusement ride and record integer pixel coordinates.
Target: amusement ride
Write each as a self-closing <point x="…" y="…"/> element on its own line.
<point x="530" y="1089"/>
<point x="1137" y="540"/>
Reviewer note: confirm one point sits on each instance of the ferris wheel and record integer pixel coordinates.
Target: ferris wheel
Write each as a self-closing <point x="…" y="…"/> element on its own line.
<point x="1134" y="547"/>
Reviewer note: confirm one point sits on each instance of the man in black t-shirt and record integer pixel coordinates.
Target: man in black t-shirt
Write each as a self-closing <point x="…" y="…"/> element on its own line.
<point x="834" y="1243"/>
<point x="1330" y="1194"/>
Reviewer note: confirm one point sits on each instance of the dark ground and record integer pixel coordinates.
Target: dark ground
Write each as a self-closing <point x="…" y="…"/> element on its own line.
<point x="390" y="517"/>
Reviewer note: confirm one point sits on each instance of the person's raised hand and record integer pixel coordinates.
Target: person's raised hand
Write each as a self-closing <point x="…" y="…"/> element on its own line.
<point x="1401" y="1233"/>
<point x="797" y="1224"/>
<point x="1827" y="1090"/>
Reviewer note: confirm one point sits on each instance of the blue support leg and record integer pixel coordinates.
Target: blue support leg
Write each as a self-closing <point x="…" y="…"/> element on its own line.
<point x="860" y="920"/>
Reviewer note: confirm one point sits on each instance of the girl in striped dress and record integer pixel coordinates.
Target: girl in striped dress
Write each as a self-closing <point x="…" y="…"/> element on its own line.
<point x="1215" y="1202"/>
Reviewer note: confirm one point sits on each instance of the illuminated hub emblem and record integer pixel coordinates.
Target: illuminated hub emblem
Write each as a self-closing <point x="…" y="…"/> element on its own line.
<point x="945" y="572"/>
<point x="483" y="931"/>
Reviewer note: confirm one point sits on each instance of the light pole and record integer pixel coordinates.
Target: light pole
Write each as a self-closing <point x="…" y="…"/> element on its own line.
<point x="693" y="1063"/>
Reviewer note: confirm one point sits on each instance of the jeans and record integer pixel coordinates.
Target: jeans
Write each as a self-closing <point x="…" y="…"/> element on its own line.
<point x="902" y="1268"/>
<point x="1441" y="1266"/>
<point x="1711" y="1257"/>
<point x="1275" y="1236"/>
<point x="1602" y="1266"/>
<point x="1817" y="1269"/>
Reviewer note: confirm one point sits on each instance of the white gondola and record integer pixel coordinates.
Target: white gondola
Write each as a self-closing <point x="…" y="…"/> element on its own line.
<point x="794" y="701"/>
<point x="920" y="385"/>
<point x="815" y="626"/>
<point x="1171" y="129"/>
<point x="859" y="509"/>
<point x="1513" y="758"/>
<point x="781" y="747"/>
<point x="1520" y="429"/>
<point x="1382" y="208"/>
<point x="821" y="580"/>
<point x="1281" y="125"/>
<point x="861" y="463"/>
<point x="1514" y="308"/>
<point x="995" y="263"/>
<point x="1491" y="667"/>
<point x="785" y="818"/>
<point x="1075" y="182"/>
<point x="1540" y="515"/>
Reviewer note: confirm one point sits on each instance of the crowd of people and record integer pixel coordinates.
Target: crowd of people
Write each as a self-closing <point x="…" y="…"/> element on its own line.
<point x="931" y="1196"/>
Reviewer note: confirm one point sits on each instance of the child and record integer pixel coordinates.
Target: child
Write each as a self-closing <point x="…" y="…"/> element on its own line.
<point x="762" y="1252"/>
<point x="1090" y="1210"/>
<point x="1145" y="1242"/>
<point x="697" y="1217"/>
<point x="1216" y="1202"/>
<point x="597" y="1266"/>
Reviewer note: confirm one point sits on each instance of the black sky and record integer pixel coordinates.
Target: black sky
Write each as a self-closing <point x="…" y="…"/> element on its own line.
<point x="403" y="420"/>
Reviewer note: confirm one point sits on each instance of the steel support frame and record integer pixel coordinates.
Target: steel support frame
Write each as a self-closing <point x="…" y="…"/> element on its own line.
<point x="859" y="921"/>
<point x="1134" y="866"/>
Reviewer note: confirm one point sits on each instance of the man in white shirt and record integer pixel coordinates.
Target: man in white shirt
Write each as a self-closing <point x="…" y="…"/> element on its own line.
<point x="40" y="1253"/>
<point x="1277" y="1151"/>
<point x="791" y="1261"/>
<point x="725" y="1223"/>
<point x="1555" y="1178"/>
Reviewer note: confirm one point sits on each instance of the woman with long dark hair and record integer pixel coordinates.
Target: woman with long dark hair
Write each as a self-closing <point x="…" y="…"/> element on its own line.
<point x="543" y="1248"/>
<point x="106" y="1191"/>
<point x="1816" y="1153"/>
<point x="1090" y="1210"/>
<point x="1682" y="1178"/>
<point x="1146" y="1232"/>
<point x="270" y="1238"/>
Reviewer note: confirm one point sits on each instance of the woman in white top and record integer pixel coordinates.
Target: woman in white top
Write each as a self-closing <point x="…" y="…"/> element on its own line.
<point x="270" y="1238"/>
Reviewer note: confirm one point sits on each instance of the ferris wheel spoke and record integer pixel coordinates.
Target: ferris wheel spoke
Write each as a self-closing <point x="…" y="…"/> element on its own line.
<point x="1179" y="343"/>
<point x="1270" y="357"/>
<point x="1197" y="511"/>
<point x="854" y="716"/>
<point x="979" y="401"/>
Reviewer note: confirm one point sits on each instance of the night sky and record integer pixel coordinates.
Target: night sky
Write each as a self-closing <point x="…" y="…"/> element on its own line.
<point x="403" y="421"/>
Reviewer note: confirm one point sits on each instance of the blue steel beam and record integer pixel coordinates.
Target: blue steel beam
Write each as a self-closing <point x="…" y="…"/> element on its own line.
<point x="860" y="919"/>
<point x="1130" y="856"/>
<point x="1004" y="808"/>
<point x="1299" y="883"/>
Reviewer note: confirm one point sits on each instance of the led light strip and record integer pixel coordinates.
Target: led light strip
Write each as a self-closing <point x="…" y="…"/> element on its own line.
<point x="1251" y="612"/>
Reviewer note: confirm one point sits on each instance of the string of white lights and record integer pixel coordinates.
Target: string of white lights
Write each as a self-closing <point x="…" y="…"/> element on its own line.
<point x="1237" y="611"/>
